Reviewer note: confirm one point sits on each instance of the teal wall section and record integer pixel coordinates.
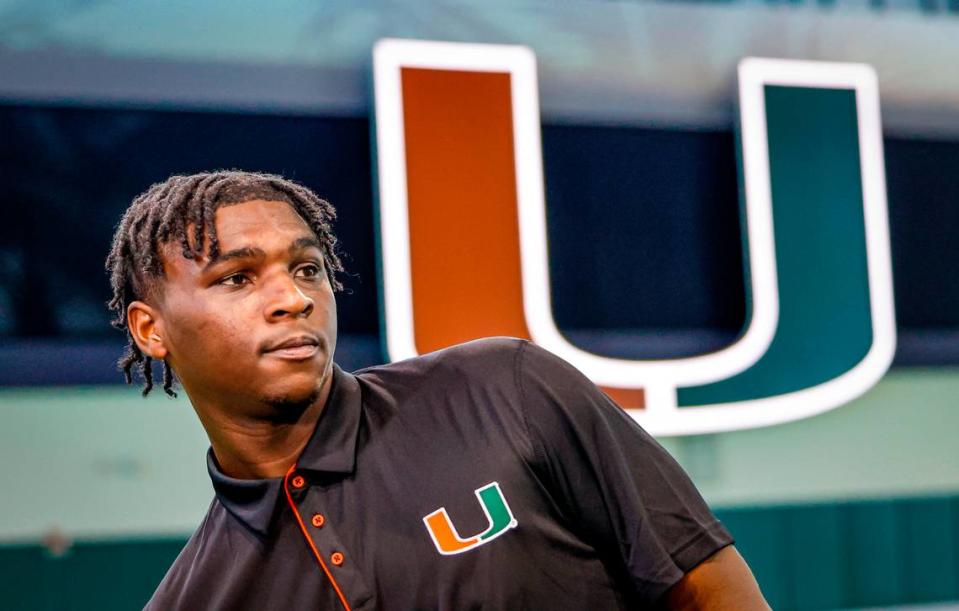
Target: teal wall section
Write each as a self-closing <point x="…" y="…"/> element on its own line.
<point x="857" y="554"/>
<point x="805" y="557"/>
<point x="102" y="576"/>
<point x="897" y="440"/>
<point x="101" y="463"/>
<point x="858" y="506"/>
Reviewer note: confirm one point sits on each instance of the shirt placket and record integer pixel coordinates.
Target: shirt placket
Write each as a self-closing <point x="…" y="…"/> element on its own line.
<point x="320" y="532"/>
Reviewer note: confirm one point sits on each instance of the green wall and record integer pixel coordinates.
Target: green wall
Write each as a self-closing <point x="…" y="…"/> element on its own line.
<point x="135" y="467"/>
<point x="855" y="507"/>
<point x="812" y="556"/>
<point x="899" y="439"/>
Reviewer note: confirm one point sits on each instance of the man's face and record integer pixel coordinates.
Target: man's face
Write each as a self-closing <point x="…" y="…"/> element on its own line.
<point x="252" y="331"/>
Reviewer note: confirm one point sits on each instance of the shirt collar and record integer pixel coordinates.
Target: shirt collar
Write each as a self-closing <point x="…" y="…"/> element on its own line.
<point x="330" y="449"/>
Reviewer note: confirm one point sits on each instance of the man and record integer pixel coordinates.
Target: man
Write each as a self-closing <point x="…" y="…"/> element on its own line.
<point x="489" y="475"/>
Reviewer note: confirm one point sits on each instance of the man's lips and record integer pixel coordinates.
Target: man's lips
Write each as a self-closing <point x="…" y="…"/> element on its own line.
<point x="298" y="347"/>
<point x="295" y="354"/>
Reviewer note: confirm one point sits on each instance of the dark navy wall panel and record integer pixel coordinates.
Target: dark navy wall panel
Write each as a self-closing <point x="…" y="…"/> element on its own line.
<point x="642" y="225"/>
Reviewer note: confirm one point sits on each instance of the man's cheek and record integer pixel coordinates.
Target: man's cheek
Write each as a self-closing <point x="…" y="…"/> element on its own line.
<point x="199" y="339"/>
<point x="201" y="336"/>
<point x="237" y="332"/>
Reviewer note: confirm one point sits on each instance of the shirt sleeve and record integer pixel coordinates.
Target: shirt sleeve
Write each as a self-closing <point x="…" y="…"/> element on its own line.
<point x="617" y="487"/>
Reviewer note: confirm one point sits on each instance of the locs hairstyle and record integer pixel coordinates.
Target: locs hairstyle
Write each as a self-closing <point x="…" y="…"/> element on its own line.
<point x="166" y="211"/>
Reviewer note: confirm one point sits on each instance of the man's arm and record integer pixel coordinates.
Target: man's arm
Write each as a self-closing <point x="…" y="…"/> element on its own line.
<point x="622" y="491"/>
<point x="722" y="581"/>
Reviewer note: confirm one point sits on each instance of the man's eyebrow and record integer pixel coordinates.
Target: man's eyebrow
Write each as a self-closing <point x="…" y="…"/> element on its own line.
<point x="247" y="252"/>
<point x="304" y="243"/>
<point x="250" y="252"/>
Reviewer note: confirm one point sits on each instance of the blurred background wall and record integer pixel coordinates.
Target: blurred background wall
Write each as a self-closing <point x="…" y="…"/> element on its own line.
<point x="100" y="488"/>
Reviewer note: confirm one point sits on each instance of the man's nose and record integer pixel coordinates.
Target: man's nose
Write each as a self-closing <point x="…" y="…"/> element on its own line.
<point x="287" y="300"/>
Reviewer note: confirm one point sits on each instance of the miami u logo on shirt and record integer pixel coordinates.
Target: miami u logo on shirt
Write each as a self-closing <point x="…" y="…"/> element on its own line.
<point x="448" y="541"/>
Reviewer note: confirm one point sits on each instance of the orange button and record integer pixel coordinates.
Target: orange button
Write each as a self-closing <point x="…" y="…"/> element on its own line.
<point x="318" y="520"/>
<point x="298" y="481"/>
<point x="337" y="558"/>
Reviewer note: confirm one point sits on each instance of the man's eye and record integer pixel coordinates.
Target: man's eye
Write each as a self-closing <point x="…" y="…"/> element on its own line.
<point x="308" y="271"/>
<point x="235" y="280"/>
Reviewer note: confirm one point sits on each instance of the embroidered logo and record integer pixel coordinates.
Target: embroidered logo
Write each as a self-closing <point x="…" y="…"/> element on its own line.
<point x="500" y="517"/>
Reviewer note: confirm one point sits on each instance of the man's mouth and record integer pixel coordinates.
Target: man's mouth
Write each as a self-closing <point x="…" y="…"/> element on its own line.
<point x="296" y="348"/>
<point x="295" y="354"/>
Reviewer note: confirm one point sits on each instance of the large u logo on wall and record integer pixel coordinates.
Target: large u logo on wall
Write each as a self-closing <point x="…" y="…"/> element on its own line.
<point x="463" y="247"/>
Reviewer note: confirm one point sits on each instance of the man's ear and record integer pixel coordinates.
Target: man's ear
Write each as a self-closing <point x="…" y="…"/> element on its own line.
<point x="147" y="330"/>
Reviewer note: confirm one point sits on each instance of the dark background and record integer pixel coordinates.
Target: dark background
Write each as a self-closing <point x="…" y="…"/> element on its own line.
<point x="661" y="277"/>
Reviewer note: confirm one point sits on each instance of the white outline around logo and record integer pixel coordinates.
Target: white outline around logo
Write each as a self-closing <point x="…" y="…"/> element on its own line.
<point x="478" y="492"/>
<point x="660" y="379"/>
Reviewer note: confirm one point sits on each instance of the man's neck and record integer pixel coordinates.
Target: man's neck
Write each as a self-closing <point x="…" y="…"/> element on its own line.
<point x="247" y="448"/>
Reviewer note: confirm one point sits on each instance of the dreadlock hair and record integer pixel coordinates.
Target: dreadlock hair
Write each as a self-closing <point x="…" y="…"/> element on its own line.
<point x="166" y="212"/>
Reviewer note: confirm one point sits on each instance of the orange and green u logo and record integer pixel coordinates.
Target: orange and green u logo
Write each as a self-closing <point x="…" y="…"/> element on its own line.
<point x="500" y="517"/>
<point x="820" y="327"/>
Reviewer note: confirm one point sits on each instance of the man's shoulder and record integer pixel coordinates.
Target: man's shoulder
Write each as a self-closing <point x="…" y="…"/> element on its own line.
<point x="169" y="594"/>
<point x="489" y="362"/>
<point x="486" y="359"/>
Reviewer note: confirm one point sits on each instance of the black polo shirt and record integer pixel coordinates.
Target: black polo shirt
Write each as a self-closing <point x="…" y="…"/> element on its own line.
<point x="487" y="475"/>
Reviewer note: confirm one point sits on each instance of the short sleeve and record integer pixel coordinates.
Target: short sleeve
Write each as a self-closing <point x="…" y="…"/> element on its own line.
<point x="616" y="486"/>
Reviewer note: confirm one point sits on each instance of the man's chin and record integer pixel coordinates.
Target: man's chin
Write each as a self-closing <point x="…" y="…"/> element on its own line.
<point x="287" y="408"/>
